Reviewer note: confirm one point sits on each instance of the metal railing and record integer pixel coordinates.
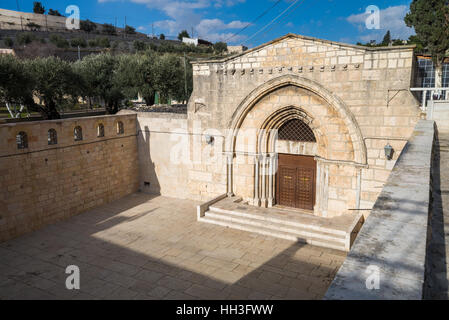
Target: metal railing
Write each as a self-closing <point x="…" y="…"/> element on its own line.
<point x="435" y="94"/>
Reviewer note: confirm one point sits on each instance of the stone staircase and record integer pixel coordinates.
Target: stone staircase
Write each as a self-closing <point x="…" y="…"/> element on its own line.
<point x="336" y="233"/>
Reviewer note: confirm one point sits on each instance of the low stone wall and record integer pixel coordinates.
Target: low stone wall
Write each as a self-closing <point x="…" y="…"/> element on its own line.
<point x="175" y="160"/>
<point x="44" y="183"/>
<point x="390" y="250"/>
<point x="439" y="112"/>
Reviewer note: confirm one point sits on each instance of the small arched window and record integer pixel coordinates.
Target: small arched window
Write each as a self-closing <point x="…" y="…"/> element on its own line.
<point x="78" y="133"/>
<point x="52" y="137"/>
<point x="22" y="140"/>
<point x="100" y="130"/>
<point x="296" y="130"/>
<point x="120" y="128"/>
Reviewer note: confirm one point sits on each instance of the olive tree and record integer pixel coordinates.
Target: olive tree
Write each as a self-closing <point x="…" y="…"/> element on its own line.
<point x="98" y="74"/>
<point x="15" y="85"/>
<point x="52" y="82"/>
<point x="170" y="77"/>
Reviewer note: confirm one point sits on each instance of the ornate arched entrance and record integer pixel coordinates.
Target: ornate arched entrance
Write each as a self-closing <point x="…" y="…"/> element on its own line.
<point x="326" y="133"/>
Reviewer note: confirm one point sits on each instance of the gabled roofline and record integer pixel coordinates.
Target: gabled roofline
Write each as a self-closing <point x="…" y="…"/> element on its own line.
<point x="297" y="36"/>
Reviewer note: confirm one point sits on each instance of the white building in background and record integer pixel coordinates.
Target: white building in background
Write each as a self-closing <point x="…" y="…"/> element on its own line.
<point x="237" y="49"/>
<point x="190" y="41"/>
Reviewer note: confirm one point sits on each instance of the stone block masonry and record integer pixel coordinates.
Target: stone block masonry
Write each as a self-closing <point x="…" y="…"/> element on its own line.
<point x="388" y="258"/>
<point x="45" y="183"/>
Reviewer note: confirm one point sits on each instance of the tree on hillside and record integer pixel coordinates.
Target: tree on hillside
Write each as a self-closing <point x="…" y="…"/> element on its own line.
<point x="15" y="85"/>
<point x="52" y="82"/>
<point x="220" y="47"/>
<point x="170" y="77"/>
<point x="146" y="77"/>
<point x="430" y="18"/>
<point x="56" y="13"/>
<point x="387" y="39"/>
<point x="183" y="34"/>
<point x="98" y="74"/>
<point x="162" y="36"/>
<point x="130" y="30"/>
<point x="109" y="29"/>
<point x="127" y="75"/>
<point x="87" y="26"/>
<point x="38" y="7"/>
<point x="416" y="41"/>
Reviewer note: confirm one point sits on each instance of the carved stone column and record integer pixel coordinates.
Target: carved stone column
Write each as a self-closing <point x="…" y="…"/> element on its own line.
<point x="256" y="201"/>
<point x="264" y="181"/>
<point x="271" y="173"/>
<point x="229" y="161"/>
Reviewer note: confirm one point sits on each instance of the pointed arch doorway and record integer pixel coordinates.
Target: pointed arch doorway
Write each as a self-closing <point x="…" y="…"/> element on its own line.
<point x="296" y="181"/>
<point x="296" y="174"/>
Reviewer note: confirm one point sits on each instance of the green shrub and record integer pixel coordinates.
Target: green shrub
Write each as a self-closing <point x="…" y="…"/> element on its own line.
<point x="25" y="38"/>
<point x="139" y="45"/>
<point x="93" y="43"/>
<point x="8" y="42"/>
<point x="59" y="41"/>
<point x="75" y="42"/>
<point x="104" y="42"/>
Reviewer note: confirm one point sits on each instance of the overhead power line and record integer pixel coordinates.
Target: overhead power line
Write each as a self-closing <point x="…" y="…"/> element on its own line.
<point x="255" y="20"/>
<point x="272" y="21"/>
<point x="277" y="23"/>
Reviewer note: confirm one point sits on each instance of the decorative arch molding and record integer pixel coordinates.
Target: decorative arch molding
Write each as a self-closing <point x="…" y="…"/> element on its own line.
<point x="239" y="115"/>
<point x="266" y="139"/>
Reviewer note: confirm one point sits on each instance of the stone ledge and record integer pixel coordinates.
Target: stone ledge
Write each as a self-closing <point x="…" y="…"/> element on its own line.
<point x="394" y="236"/>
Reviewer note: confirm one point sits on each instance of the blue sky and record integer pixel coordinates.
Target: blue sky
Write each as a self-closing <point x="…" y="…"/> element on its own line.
<point x="218" y="20"/>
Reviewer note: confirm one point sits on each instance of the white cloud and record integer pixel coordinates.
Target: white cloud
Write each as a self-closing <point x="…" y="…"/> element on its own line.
<point x="186" y="14"/>
<point x="391" y="18"/>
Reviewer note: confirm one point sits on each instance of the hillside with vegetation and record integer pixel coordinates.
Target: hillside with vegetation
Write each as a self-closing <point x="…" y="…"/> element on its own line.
<point x="51" y="85"/>
<point x="94" y="67"/>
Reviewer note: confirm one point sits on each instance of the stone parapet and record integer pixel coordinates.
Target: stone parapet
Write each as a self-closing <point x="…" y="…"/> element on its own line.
<point x="390" y="249"/>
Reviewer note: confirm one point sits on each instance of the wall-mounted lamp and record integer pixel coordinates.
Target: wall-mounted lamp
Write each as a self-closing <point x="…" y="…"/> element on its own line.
<point x="388" y="151"/>
<point x="209" y="139"/>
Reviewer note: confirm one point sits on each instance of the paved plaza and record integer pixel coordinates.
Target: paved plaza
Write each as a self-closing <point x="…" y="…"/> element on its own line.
<point x="152" y="247"/>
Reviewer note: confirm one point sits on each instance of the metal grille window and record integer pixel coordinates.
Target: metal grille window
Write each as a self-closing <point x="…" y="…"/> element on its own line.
<point x="22" y="140"/>
<point x="78" y="133"/>
<point x="52" y="137"/>
<point x="120" y="128"/>
<point x="296" y="130"/>
<point x="100" y="130"/>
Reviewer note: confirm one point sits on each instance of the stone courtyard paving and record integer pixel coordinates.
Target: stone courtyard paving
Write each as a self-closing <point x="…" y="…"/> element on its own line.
<point x="152" y="247"/>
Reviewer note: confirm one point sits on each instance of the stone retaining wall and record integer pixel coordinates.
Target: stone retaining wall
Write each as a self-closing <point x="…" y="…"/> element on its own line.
<point x="45" y="183"/>
<point x="392" y="242"/>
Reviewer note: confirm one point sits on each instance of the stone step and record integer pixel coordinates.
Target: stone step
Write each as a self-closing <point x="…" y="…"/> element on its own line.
<point x="267" y="230"/>
<point x="302" y="231"/>
<point x="296" y="220"/>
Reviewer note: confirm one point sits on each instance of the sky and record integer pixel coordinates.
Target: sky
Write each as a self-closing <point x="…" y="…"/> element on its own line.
<point x="261" y="20"/>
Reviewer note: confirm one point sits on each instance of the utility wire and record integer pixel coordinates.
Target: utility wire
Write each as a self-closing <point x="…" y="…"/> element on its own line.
<point x="272" y="21"/>
<point x="255" y="20"/>
<point x="278" y="22"/>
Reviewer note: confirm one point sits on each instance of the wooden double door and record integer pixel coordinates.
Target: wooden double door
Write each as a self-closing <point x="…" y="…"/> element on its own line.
<point x="295" y="181"/>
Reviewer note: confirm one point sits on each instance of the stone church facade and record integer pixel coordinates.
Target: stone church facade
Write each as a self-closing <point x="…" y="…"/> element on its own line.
<point x="349" y="102"/>
<point x="297" y="122"/>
